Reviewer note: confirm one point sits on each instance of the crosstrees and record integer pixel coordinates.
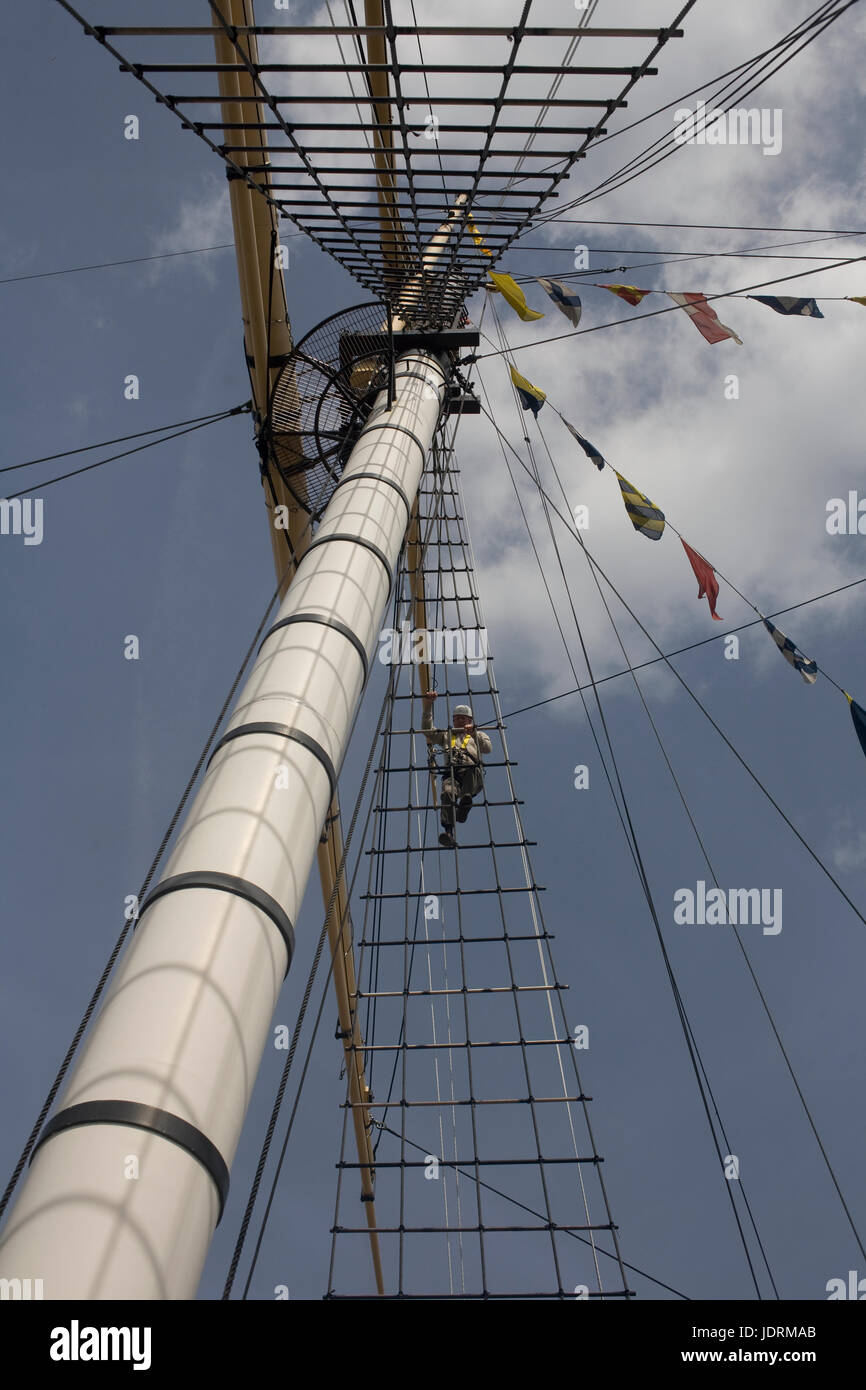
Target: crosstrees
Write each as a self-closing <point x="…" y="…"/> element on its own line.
<point x="429" y="139"/>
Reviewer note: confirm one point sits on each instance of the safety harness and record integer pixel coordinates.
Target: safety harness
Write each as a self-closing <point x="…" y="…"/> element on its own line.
<point x="456" y="743"/>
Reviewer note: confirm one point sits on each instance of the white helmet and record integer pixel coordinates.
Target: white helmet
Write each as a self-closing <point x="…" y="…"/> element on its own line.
<point x="462" y="709"/>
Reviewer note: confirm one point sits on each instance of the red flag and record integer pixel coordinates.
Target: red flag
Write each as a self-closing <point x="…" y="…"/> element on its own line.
<point x="705" y="319"/>
<point x="705" y="575"/>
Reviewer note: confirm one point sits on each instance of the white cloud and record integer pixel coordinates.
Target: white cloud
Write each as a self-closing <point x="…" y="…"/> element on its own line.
<point x="849" y="854"/>
<point x="81" y="407"/>
<point x="746" y="481"/>
<point x="201" y="220"/>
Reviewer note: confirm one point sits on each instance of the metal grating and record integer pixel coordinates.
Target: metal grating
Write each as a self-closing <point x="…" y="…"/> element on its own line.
<point x="371" y="136"/>
<point x="322" y="397"/>
<point x="325" y="391"/>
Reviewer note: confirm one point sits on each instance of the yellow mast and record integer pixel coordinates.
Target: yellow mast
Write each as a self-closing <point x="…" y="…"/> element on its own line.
<point x="254" y="221"/>
<point x="391" y="237"/>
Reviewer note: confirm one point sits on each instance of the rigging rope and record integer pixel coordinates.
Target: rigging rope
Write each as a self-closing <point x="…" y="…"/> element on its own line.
<point x="650" y="161"/>
<point x="679" y="258"/>
<point x="469" y="926"/>
<point x="552" y="90"/>
<point x="818" y="18"/>
<point x="548" y="246"/>
<point x="728" y="1145"/>
<point x="132" y="260"/>
<point x="506" y="349"/>
<point x="579" y="688"/>
<point x="573" y="532"/>
<point x="575" y="1235"/>
<point x="757" y="253"/>
<point x="537" y="927"/>
<point x="540" y="933"/>
<point x="733" y="925"/>
<point x="438" y="612"/>
<point x="122" y="438"/>
<point x="378" y="857"/>
<point x="34" y="487"/>
<point x="692" y="646"/>
<point x="705" y="226"/>
<point x="703" y="86"/>
<point x="688" y="1033"/>
<point x="677" y="101"/>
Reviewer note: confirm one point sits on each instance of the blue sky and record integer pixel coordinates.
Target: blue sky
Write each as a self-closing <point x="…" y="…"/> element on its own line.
<point x="171" y="545"/>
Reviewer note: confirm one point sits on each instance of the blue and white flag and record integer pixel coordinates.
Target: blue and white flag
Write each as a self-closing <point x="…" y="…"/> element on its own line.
<point x="808" y="669"/>
<point x="787" y="304"/>
<point x="565" y="299"/>
<point x="589" y="449"/>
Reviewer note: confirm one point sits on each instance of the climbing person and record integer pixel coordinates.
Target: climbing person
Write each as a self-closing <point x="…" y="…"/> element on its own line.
<point x="462" y="779"/>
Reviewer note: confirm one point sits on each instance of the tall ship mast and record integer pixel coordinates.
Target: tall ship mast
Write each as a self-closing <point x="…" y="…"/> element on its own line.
<point x="366" y="740"/>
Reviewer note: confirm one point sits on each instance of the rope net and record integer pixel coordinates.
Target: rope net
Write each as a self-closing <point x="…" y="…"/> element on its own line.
<point x="487" y="1181"/>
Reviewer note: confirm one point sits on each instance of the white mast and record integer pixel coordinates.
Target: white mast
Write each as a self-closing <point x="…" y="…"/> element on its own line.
<point x="127" y="1181"/>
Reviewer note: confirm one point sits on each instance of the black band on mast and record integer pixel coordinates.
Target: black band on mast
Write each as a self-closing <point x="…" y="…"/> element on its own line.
<point x="399" y="429"/>
<point x="334" y="623"/>
<point x="149" y="1117"/>
<point x="353" y="540"/>
<point x="379" y="478"/>
<point x="419" y="376"/>
<point x="229" y="883"/>
<point x="284" y="731"/>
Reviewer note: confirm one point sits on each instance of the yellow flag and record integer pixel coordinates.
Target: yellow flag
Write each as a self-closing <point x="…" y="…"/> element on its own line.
<point x="476" y="236"/>
<point x="513" y="295"/>
<point x="857" y="298"/>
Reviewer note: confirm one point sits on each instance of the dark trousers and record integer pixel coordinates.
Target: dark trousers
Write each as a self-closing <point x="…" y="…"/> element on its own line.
<point x="458" y="783"/>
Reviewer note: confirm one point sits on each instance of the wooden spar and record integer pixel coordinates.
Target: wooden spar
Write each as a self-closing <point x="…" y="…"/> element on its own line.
<point x="392" y="239"/>
<point x="262" y="284"/>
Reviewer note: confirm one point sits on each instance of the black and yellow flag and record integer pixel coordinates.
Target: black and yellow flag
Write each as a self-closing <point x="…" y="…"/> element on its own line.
<point x="531" y="397"/>
<point x="645" y="515"/>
